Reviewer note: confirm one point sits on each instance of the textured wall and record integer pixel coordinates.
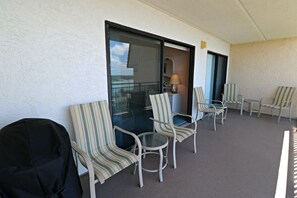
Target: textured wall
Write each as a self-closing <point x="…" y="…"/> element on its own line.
<point x="52" y="53"/>
<point x="259" y="68"/>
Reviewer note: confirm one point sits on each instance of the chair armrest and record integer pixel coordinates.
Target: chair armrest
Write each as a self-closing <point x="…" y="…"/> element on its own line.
<point x="185" y="115"/>
<point x="218" y="101"/>
<point x="165" y="123"/>
<point x="85" y="157"/>
<point x="206" y="103"/>
<point x="134" y="136"/>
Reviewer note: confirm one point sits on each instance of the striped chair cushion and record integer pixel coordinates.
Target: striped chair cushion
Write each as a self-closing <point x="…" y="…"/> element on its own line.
<point x="231" y="93"/>
<point x="201" y="102"/>
<point x="162" y="112"/>
<point x="95" y="136"/>
<point x="283" y="94"/>
<point x="111" y="162"/>
<point x="200" y="99"/>
<point x="161" y="108"/>
<point x="181" y="132"/>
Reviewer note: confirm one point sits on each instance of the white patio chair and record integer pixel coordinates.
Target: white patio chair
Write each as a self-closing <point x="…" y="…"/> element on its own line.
<point x="231" y="95"/>
<point x="281" y="101"/>
<point x="207" y="108"/>
<point x="163" y="122"/>
<point x="96" y="145"/>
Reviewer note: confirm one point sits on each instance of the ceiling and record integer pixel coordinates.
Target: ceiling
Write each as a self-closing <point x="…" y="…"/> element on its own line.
<point x="235" y="21"/>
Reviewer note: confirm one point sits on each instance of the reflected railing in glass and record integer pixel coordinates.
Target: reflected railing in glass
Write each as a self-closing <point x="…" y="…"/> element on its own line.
<point x="127" y="95"/>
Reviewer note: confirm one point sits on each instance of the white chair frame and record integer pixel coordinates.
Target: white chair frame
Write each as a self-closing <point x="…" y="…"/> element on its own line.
<point x="239" y="98"/>
<point x="279" y="109"/>
<point x="215" y="113"/>
<point x="174" y="134"/>
<point x="89" y="164"/>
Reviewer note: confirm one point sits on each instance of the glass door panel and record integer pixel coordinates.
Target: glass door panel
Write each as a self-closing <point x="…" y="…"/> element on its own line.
<point x="216" y="70"/>
<point x="209" y="79"/>
<point x="135" y="74"/>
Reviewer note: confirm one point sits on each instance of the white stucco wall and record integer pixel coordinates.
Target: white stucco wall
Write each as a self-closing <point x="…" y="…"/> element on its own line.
<point x="259" y="68"/>
<point x="52" y="53"/>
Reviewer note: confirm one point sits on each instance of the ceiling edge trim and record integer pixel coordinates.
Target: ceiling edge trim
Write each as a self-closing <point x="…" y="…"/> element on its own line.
<point x="183" y="20"/>
<point x="251" y="19"/>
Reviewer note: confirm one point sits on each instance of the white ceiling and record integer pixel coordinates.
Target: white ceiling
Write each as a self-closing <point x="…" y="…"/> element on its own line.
<point x="235" y="21"/>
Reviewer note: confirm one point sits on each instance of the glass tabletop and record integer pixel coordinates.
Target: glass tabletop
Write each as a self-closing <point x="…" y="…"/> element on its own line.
<point x="152" y="140"/>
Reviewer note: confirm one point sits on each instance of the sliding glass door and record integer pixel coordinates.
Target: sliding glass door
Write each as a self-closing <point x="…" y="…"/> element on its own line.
<point x="135" y="71"/>
<point x="134" y="66"/>
<point x="216" y="70"/>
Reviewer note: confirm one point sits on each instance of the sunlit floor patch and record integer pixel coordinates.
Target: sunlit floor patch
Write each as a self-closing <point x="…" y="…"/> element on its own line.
<point x="281" y="186"/>
<point x="295" y="162"/>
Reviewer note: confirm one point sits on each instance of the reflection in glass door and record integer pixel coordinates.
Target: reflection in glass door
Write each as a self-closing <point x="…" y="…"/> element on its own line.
<point x="134" y="75"/>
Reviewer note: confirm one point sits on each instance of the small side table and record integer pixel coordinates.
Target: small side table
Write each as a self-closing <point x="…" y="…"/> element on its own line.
<point x="251" y="103"/>
<point x="152" y="142"/>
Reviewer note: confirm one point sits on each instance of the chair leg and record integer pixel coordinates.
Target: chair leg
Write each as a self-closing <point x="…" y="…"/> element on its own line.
<point x="161" y="165"/>
<point x="279" y="115"/>
<point x="241" y="109"/>
<point x="166" y="157"/>
<point x="135" y="166"/>
<point x="195" y="143"/>
<point x="259" y="112"/>
<point x="214" y="122"/>
<point x="92" y="184"/>
<point x="225" y="113"/>
<point x="290" y="113"/>
<point x="222" y="119"/>
<point x="197" y="114"/>
<point x="174" y="153"/>
<point x="140" y="172"/>
<point x="144" y="154"/>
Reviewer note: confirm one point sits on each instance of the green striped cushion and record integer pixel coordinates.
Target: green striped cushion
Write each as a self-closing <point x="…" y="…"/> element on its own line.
<point x="283" y="94"/>
<point x="230" y="92"/>
<point x="161" y="108"/>
<point x="94" y="135"/>
<point x="181" y="132"/>
<point x="162" y="112"/>
<point x="111" y="162"/>
<point x="200" y="99"/>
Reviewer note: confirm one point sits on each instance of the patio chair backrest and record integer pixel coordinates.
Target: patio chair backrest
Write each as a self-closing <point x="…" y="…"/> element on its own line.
<point x="283" y="94"/>
<point x="161" y="109"/>
<point x="231" y="92"/>
<point x="200" y="98"/>
<point x="93" y="126"/>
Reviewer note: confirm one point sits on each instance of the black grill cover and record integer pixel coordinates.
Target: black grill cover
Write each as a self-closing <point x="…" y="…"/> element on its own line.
<point x="36" y="161"/>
